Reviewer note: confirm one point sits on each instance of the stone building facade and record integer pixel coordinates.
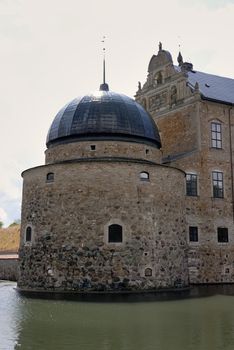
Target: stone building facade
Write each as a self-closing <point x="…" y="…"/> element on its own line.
<point x="125" y="202"/>
<point x="95" y="216"/>
<point x="195" y="116"/>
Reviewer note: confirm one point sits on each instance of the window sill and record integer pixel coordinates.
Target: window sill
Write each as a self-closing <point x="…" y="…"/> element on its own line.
<point x="216" y="148"/>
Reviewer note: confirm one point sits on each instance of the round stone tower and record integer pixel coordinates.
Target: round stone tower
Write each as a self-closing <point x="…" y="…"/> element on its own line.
<point x="103" y="213"/>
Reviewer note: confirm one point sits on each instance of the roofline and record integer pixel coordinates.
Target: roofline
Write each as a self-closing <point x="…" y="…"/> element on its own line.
<point x="104" y="137"/>
<point x="106" y="160"/>
<point x="203" y="97"/>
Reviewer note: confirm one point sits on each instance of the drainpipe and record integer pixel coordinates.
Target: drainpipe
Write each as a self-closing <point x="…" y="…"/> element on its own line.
<point x="231" y="160"/>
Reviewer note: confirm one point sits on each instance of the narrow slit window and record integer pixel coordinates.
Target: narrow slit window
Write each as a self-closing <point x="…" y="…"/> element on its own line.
<point x="115" y="234"/>
<point x="28" y="235"/>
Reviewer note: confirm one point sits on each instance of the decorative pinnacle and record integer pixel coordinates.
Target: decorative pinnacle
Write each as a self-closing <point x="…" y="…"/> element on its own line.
<point x="180" y="59"/>
<point x="159" y="46"/>
<point x="104" y="86"/>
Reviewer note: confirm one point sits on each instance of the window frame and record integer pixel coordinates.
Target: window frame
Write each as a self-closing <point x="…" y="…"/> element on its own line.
<point x="109" y="233"/>
<point x="216" y="135"/>
<point x="221" y="235"/>
<point x="48" y="175"/>
<point x="193" y="234"/>
<point x="26" y="241"/>
<point x="142" y="178"/>
<point x="191" y="191"/>
<point x="217" y="180"/>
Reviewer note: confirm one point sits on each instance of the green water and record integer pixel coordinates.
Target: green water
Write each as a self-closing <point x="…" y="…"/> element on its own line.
<point x="200" y="323"/>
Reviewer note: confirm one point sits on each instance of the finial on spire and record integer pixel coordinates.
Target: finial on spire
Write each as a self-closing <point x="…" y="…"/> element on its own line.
<point x="180" y="59"/>
<point x="104" y="86"/>
<point x="160" y="46"/>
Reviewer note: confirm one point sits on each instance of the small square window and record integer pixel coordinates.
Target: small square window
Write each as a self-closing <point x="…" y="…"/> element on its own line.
<point x="193" y="234"/>
<point x="50" y="177"/>
<point x="144" y="176"/>
<point x="93" y="147"/>
<point x="148" y="272"/>
<point x="222" y="235"/>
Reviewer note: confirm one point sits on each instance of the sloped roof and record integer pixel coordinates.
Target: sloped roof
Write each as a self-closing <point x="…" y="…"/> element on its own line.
<point x="213" y="87"/>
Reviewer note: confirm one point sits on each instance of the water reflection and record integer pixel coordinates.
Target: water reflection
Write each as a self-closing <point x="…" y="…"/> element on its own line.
<point x="205" y="323"/>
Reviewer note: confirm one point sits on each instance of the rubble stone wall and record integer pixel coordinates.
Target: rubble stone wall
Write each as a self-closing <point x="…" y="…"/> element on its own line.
<point x="69" y="218"/>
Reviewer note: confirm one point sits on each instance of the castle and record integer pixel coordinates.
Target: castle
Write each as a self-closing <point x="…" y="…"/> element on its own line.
<point x="134" y="195"/>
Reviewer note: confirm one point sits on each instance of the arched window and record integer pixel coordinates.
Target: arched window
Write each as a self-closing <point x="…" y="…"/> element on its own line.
<point x="50" y="177"/>
<point x="144" y="176"/>
<point x="115" y="234"/>
<point x="28" y="235"/>
<point x="148" y="272"/>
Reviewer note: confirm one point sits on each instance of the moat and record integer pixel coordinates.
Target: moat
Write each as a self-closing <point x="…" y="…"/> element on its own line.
<point x="204" y="321"/>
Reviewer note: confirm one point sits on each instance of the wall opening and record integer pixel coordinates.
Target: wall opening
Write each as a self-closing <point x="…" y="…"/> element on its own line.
<point x="115" y="234"/>
<point x="50" y="177"/>
<point x="144" y="176"/>
<point x="28" y="235"/>
<point x="148" y="272"/>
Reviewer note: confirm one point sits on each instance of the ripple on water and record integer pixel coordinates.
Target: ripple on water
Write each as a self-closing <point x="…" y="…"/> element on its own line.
<point x="202" y="323"/>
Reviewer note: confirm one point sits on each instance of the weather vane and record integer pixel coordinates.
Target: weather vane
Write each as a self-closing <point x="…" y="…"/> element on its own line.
<point x="104" y="61"/>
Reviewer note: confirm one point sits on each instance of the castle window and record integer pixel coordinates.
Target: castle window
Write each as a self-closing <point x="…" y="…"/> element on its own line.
<point x="93" y="147"/>
<point x="216" y="135"/>
<point x="115" y="234"/>
<point x="159" y="78"/>
<point x="28" y="235"/>
<point x="144" y="176"/>
<point x="217" y="180"/>
<point x="193" y="234"/>
<point x="191" y="184"/>
<point x="50" y="177"/>
<point x="222" y="234"/>
<point x="148" y="272"/>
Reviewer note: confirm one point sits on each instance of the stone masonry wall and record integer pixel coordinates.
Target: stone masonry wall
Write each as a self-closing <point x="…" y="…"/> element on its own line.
<point x="70" y="217"/>
<point x="184" y="122"/>
<point x="77" y="150"/>
<point x="8" y="269"/>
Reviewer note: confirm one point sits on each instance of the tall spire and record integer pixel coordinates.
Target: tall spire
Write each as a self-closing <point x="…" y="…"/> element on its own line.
<point x="104" y="86"/>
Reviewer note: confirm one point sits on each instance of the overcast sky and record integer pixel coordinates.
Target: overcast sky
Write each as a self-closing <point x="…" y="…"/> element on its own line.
<point x="50" y="52"/>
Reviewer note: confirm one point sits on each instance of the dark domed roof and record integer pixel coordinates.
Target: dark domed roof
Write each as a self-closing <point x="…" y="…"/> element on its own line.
<point x="104" y="115"/>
